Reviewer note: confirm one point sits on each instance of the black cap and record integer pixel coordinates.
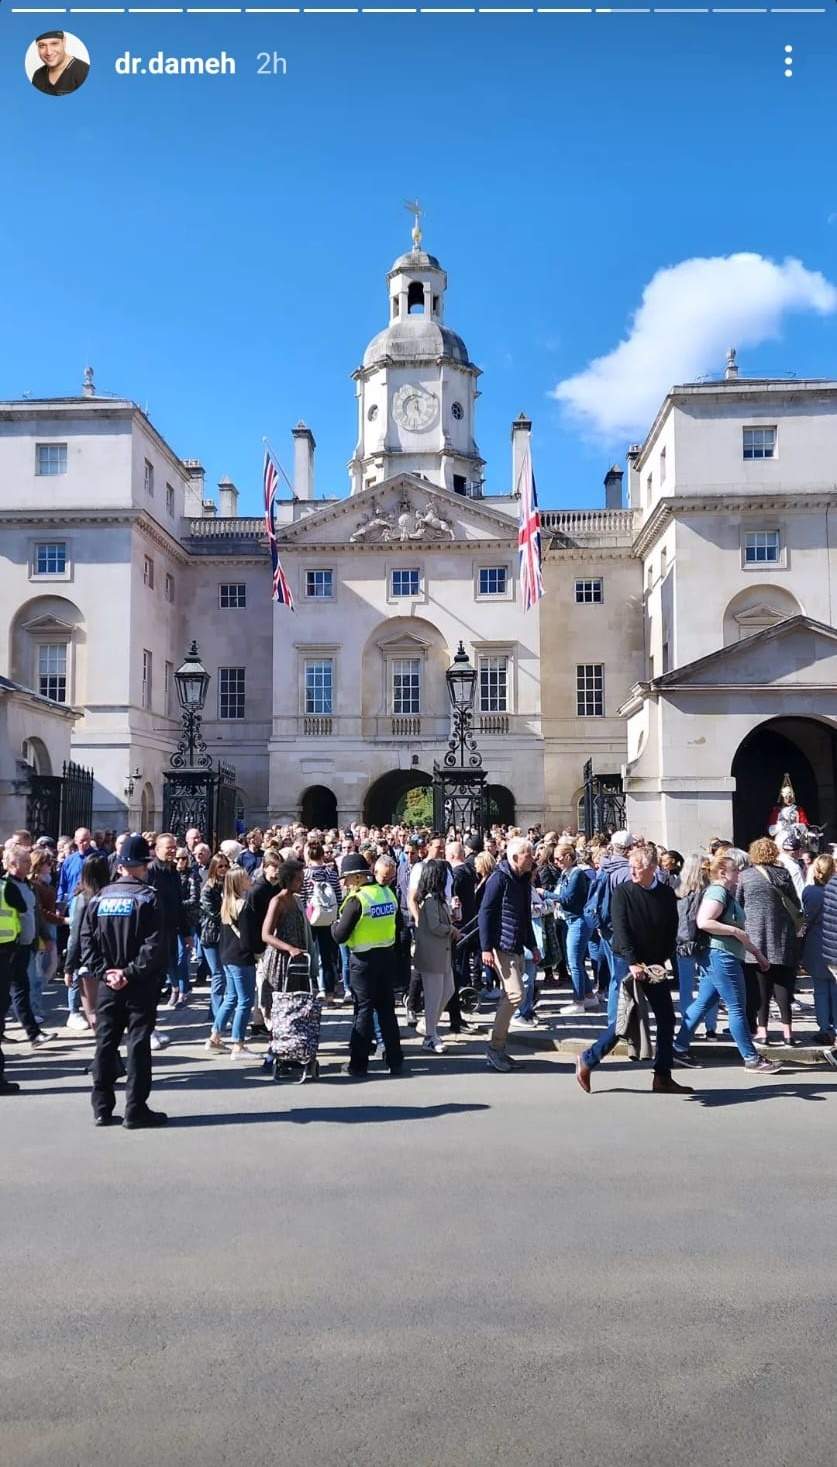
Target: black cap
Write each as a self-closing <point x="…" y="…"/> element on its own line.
<point x="50" y="36"/>
<point x="354" y="866"/>
<point x="134" y="851"/>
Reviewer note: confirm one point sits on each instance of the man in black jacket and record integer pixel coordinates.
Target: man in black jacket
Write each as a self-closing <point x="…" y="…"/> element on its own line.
<point x="162" y="875"/>
<point x="369" y="923"/>
<point x="123" y="942"/>
<point x="644" y="917"/>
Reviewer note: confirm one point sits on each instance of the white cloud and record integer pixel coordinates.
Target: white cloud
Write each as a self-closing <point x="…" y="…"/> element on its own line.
<point x="690" y="314"/>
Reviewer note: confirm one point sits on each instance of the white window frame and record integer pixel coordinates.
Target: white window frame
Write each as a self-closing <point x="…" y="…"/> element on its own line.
<point x="585" y="690"/>
<point x="663" y="466"/>
<point x="148" y="478"/>
<point x="232" y="606"/>
<point x="148" y="571"/>
<point x="393" y="664"/>
<point x="317" y="659"/>
<point x="147" y="679"/>
<point x="168" y="684"/>
<point x="754" y="456"/>
<point x="171" y="499"/>
<point x="781" y="563"/>
<point x="49" y="474"/>
<point x="314" y="570"/>
<point x="49" y="644"/>
<point x="484" y="659"/>
<point x="581" y="582"/>
<point x="414" y="597"/>
<point x="35" y="575"/>
<point x="225" y="692"/>
<point x="170" y="589"/>
<point x="493" y="565"/>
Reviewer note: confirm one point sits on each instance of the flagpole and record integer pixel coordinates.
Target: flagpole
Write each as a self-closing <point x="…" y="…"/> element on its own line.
<point x="269" y="446"/>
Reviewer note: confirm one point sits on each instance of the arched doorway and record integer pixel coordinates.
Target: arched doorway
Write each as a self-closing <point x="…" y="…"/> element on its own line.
<point x="499" y="805"/>
<point x="401" y="794"/>
<point x="318" y="807"/>
<point x="804" y="748"/>
<point x="35" y="753"/>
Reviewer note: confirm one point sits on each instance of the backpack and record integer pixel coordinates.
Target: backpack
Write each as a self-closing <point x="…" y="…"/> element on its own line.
<point x="691" y="940"/>
<point x="597" y="905"/>
<point x="321" y="907"/>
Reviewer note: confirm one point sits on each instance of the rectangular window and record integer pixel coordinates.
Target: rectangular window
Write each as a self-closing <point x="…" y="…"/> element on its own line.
<point x="493" y="580"/>
<point x="50" y="458"/>
<point x="590" y="590"/>
<point x="319" y="584"/>
<point x="662" y="465"/>
<point x="230" y="692"/>
<point x="589" y="685"/>
<point x="146" y="678"/>
<point x="761" y="547"/>
<point x="494" y="683"/>
<point x="168" y="682"/>
<point x="169" y="587"/>
<point x="406" y="685"/>
<point x="319" y="685"/>
<point x="405" y="583"/>
<point x="232" y="594"/>
<point x="148" y="572"/>
<point x="170" y="499"/>
<point x="52" y="671"/>
<point x="50" y="558"/>
<point x="759" y="443"/>
<point x="149" y="479"/>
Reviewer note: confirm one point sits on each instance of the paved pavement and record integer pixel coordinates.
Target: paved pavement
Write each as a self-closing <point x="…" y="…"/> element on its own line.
<point x="454" y="1267"/>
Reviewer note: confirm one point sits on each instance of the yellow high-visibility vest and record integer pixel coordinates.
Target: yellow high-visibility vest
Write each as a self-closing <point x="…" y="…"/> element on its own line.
<point x="376" y="927"/>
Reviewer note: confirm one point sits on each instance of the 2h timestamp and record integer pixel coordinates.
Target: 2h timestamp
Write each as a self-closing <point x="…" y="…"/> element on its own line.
<point x="270" y="63"/>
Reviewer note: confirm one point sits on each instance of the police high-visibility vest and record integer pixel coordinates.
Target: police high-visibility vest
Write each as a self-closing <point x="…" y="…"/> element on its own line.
<point x="9" y="919"/>
<point x="376" y="927"/>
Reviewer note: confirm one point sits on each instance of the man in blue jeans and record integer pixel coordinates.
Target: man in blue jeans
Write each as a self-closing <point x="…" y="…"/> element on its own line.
<point x="644" y="919"/>
<point x="615" y="868"/>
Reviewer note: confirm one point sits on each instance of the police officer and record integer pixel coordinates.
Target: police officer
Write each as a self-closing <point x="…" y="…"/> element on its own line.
<point x="368" y="923"/>
<point x="123" y="941"/>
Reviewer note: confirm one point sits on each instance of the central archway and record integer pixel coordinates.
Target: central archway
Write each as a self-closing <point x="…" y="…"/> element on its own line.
<point x="389" y="798"/>
<point x="804" y="748"/>
<point x="318" y="808"/>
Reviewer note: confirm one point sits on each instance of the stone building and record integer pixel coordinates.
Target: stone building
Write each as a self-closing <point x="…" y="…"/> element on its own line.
<point x="684" y="644"/>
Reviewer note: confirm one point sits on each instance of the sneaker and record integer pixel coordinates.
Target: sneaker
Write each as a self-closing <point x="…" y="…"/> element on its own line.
<point x="521" y="1022"/>
<point x="181" y="1001"/>
<point x="412" y="1018"/>
<point x="172" y="1003"/>
<point x="215" y="1046"/>
<point x="433" y="1046"/>
<point x="244" y="1054"/>
<point x="42" y="1038"/>
<point x="496" y="1060"/>
<point x="77" y="1021"/>
<point x="9" y="1087"/>
<point x="158" y="1040"/>
<point x="764" y="1066"/>
<point x="464" y="1028"/>
<point x="830" y="1057"/>
<point x="685" y="1060"/>
<point x="513" y="1064"/>
<point x="573" y="1008"/>
<point x="592" y="1005"/>
<point x="146" y="1120"/>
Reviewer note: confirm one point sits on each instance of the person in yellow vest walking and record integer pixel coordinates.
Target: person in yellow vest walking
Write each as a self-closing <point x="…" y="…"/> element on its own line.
<point x="368" y="924"/>
<point x="12" y="907"/>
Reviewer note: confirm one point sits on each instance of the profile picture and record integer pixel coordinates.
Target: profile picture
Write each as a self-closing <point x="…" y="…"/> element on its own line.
<point x="57" y="63"/>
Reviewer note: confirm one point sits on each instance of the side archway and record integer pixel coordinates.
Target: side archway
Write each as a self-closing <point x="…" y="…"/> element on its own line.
<point x="36" y="754"/>
<point x="318" y="807"/>
<point x="400" y="794"/>
<point x="500" y="805"/>
<point x="804" y="748"/>
<point x="756" y="608"/>
<point x="147" y="811"/>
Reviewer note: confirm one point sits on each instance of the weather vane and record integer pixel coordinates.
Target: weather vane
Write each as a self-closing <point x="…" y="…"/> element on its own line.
<point x="414" y="207"/>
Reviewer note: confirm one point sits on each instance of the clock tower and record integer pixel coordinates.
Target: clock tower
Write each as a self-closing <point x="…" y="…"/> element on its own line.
<point x="417" y="387"/>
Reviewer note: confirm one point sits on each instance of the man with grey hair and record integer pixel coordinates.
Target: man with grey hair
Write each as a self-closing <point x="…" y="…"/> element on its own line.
<point x="505" y="926"/>
<point x="613" y="871"/>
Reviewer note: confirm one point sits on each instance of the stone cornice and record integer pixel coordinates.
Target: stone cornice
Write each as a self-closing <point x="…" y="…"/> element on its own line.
<point x="671" y="506"/>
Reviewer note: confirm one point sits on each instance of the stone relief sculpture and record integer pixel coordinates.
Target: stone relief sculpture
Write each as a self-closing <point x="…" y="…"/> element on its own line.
<point x="384" y="527"/>
<point x="430" y="521"/>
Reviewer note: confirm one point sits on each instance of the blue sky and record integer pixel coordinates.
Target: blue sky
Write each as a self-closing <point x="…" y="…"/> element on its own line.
<point x="217" y="247"/>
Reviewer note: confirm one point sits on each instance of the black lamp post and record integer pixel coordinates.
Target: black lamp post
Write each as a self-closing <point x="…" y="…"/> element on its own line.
<point x="192" y="682"/>
<point x="459" y="781"/>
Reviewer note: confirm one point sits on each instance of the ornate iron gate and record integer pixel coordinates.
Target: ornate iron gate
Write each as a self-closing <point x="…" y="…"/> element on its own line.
<point x="58" y="804"/>
<point x="604" y="802"/>
<point x="201" y="798"/>
<point x="43" y="805"/>
<point x="76" y="798"/>
<point x="225" y="803"/>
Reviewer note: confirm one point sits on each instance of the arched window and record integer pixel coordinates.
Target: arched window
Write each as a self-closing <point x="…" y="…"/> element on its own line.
<point x="35" y="753"/>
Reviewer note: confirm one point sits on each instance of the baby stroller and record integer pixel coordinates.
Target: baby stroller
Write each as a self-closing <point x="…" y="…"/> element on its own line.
<point x="467" y="945"/>
<point x="295" y="1015"/>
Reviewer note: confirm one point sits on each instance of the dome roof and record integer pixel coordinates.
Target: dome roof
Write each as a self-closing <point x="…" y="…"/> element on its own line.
<point x="415" y="260"/>
<point x="413" y="339"/>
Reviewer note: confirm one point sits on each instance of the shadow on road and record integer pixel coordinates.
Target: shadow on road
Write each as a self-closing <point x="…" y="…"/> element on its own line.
<point x="790" y="1090"/>
<point x="356" y="1115"/>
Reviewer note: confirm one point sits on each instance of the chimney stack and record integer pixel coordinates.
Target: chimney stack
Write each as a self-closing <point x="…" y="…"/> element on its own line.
<point x="227" y="499"/>
<point x="613" y="488"/>
<point x="634" y="487"/>
<point x="193" y="503"/>
<point x="304" y="445"/>
<point x="521" y="436"/>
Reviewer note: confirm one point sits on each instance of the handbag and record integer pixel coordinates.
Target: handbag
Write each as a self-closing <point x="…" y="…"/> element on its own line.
<point x="797" y="918"/>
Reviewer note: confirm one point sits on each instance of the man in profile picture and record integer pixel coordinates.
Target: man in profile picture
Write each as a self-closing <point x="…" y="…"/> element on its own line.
<point x="60" y="73"/>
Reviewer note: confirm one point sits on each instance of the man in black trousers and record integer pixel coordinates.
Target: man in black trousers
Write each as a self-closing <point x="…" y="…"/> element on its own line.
<point x="123" y="942"/>
<point x="644" y="916"/>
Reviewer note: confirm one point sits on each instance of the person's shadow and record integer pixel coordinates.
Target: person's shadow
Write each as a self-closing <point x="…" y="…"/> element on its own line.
<point x="356" y="1115"/>
<point x="787" y="1090"/>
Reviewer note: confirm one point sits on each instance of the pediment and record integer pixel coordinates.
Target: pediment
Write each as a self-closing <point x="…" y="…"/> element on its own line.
<point x="796" y="652"/>
<point x="399" y="512"/>
<point x="48" y="623"/>
<point x="408" y="642"/>
<point x="759" y="616"/>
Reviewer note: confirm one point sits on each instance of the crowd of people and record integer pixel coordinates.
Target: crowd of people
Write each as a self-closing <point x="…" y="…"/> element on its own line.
<point x="374" y="917"/>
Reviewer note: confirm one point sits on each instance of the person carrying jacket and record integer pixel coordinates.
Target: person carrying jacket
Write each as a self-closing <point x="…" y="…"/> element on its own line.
<point x="614" y="869"/>
<point x="505" y="926"/>
<point x="123" y="942"/>
<point x="368" y="923"/>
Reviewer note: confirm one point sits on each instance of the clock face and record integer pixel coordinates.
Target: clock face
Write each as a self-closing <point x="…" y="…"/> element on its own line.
<point x="414" y="408"/>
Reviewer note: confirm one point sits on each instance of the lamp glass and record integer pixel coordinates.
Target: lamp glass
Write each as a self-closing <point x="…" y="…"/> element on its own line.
<point x="192" y="681"/>
<point x="461" y="679"/>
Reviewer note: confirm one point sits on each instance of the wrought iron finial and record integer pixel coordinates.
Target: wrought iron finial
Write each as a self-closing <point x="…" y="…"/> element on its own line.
<point x="414" y="207"/>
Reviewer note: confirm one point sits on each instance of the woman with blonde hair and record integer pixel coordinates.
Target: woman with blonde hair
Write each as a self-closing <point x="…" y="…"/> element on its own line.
<point x="237" y="952"/>
<point x="813" y="961"/>
<point x="694" y="879"/>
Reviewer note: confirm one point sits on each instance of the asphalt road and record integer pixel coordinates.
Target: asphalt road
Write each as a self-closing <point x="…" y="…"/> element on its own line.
<point x="453" y="1267"/>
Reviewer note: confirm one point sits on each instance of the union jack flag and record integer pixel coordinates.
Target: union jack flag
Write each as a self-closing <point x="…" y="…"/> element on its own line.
<point x="281" y="590"/>
<point x="529" y="537"/>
